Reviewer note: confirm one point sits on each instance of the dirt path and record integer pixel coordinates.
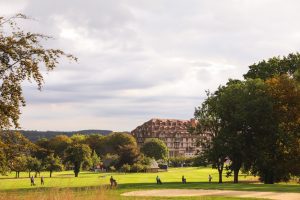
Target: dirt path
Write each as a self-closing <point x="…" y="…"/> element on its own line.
<point x="199" y="192"/>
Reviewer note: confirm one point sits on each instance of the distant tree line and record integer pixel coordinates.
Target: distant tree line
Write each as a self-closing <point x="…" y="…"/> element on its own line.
<point x="253" y="124"/>
<point x="37" y="135"/>
<point x="116" y="151"/>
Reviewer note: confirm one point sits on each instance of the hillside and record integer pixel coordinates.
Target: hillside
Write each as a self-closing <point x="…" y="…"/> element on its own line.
<point x="36" y="135"/>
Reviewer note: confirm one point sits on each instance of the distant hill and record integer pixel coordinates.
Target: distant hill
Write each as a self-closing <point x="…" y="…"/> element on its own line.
<point x="36" y="135"/>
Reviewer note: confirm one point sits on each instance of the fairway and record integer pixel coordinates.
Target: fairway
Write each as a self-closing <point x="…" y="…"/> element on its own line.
<point x="88" y="179"/>
<point x="197" y="178"/>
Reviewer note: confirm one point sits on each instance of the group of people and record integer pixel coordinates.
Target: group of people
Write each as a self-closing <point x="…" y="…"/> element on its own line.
<point x="32" y="183"/>
<point x="183" y="179"/>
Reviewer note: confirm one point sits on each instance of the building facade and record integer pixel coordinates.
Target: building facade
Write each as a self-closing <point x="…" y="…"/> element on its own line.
<point x="173" y="132"/>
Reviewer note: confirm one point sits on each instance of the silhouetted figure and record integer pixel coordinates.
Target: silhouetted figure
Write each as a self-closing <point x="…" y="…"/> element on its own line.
<point x="158" y="181"/>
<point x="42" y="180"/>
<point x="183" y="180"/>
<point x="115" y="183"/>
<point x="209" y="178"/>
<point x="32" y="181"/>
<point x="111" y="181"/>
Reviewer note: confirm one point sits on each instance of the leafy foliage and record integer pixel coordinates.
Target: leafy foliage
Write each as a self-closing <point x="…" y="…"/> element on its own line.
<point x="77" y="154"/>
<point x="21" y="57"/>
<point x="53" y="163"/>
<point x="155" y="148"/>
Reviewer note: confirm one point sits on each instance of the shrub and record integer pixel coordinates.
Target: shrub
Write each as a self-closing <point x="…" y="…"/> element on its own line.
<point x="125" y="168"/>
<point x="112" y="168"/>
<point x="137" y="167"/>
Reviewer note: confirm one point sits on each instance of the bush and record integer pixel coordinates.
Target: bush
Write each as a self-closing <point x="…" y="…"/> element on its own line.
<point x="137" y="167"/>
<point x="200" y="161"/>
<point x="181" y="161"/>
<point x="110" y="160"/>
<point x="126" y="168"/>
<point x="112" y="168"/>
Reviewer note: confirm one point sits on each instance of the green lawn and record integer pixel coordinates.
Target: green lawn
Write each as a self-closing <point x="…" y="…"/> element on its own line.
<point x="196" y="178"/>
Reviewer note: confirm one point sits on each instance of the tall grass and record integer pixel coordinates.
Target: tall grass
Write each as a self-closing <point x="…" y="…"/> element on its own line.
<point x="60" y="194"/>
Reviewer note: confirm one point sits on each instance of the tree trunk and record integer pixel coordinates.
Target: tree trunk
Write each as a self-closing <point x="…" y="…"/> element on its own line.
<point x="76" y="168"/>
<point x="220" y="170"/>
<point x="50" y="173"/>
<point x="18" y="174"/>
<point x="220" y="175"/>
<point x="269" y="178"/>
<point x="236" y="176"/>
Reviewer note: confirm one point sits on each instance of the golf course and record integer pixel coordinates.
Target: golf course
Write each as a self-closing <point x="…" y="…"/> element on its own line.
<point x="90" y="185"/>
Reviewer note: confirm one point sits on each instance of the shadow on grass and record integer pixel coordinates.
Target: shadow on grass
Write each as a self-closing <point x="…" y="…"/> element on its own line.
<point x="171" y="185"/>
<point x="205" y="185"/>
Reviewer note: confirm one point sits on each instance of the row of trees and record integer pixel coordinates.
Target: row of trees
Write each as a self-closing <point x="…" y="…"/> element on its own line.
<point x="254" y="123"/>
<point x="117" y="151"/>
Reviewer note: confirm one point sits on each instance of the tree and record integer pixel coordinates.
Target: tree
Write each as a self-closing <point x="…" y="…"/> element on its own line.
<point x="77" y="154"/>
<point x="33" y="164"/>
<point x="155" y="148"/>
<point x="53" y="163"/>
<point x="14" y="145"/>
<point x="4" y="167"/>
<point x="122" y="144"/>
<point x="95" y="141"/>
<point x="125" y="168"/>
<point x="19" y="164"/>
<point x="243" y="106"/>
<point x="110" y="160"/>
<point x="280" y="149"/>
<point x="59" y="144"/>
<point x="275" y="66"/>
<point x="78" y="138"/>
<point x="21" y="57"/>
<point x="95" y="159"/>
<point x="209" y="129"/>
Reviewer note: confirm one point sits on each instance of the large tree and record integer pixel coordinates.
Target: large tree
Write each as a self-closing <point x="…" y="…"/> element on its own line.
<point x="53" y="163"/>
<point x="22" y="55"/>
<point x="122" y="144"/>
<point x="14" y="145"/>
<point x="59" y="144"/>
<point x="243" y="106"/>
<point x="155" y="148"/>
<point x="77" y="154"/>
<point x="209" y="127"/>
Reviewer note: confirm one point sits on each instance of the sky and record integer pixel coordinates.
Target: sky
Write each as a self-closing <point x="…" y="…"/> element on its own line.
<point x="144" y="59"/>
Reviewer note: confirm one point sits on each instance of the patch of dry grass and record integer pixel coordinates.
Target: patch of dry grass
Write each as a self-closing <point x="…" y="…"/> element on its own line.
<point x="59" y="194"/>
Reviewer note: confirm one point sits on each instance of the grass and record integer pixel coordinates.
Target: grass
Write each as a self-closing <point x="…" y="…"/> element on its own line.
<point x="88" y="184"/>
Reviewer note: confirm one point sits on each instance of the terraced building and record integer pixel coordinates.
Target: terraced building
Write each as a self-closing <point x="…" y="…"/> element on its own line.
<point x="173" y="132"/>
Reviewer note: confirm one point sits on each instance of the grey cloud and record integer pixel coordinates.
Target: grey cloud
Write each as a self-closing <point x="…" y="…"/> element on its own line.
<point x="140" y="59"/>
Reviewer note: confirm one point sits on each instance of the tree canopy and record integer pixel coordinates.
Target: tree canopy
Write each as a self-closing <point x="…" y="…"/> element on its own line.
<point x="155" y="148"/>
<point x="254" y="123"/>
<point x="22" y="55"/>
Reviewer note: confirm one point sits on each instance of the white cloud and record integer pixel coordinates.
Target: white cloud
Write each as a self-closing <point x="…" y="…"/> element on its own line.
<point x="141" y="59"/>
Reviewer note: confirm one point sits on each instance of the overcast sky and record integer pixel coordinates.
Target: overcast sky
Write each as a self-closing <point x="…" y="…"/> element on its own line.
<point x="145" y="59"/>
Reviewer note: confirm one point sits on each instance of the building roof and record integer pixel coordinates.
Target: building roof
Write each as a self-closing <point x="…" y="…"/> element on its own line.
<point x="169" y="125"/>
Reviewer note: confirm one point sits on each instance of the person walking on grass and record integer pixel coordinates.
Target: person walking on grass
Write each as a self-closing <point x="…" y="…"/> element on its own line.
<point x="183" y="180"/>
<point x="32" y="181"/>
<point x="158" y="181"/>
<point x="42" y="180"/>
<point x="209" y="178"/>
<point x="111" y="181"/>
